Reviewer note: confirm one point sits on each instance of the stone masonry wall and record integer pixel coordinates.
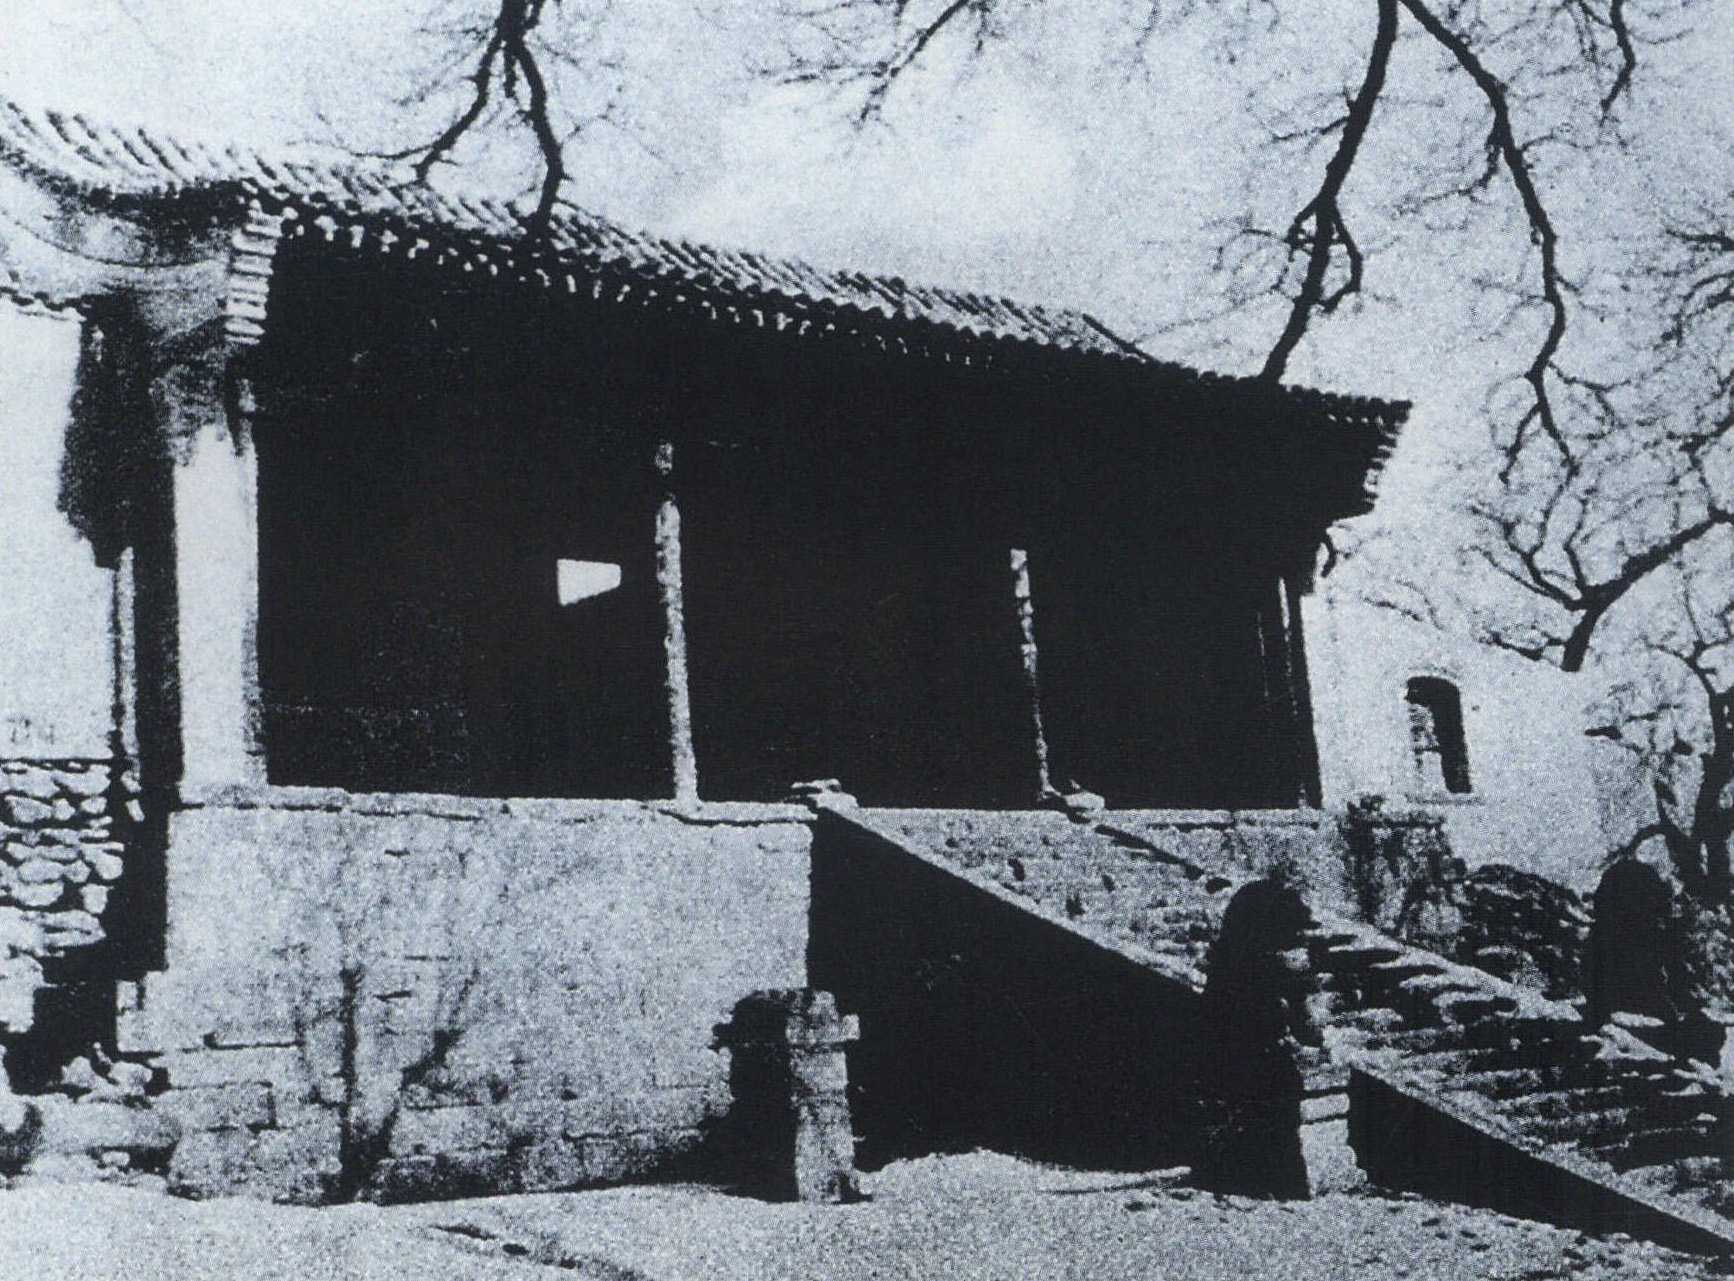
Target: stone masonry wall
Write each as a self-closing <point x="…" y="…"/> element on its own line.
<point x="62" y="855"/>
<point x="407" y="996"/>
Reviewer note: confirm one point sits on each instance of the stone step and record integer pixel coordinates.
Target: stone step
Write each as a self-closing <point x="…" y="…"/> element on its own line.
<point x="1375" y="1020"/>
<point x="1512" y="1083"/>
<point x="1403" y="969"/>
<point x="1323" y="938"/>
<point x="1664" y="1143"/>
<point x="1694" y="1172"/>
<point x="71" y="1127"/>
<point x="1469" y="1006"/>
<point x="1462" y="1061"/>
<point x="1556" y="1105"/>
<point x="1355" y="956"/>
<point x="1585" y="1128"/>
<point x="1528" y="1037"/>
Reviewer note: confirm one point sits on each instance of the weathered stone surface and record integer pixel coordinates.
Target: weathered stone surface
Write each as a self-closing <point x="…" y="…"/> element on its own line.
<point x="44" y="894"/>
<point x="49" y="812"/>
<point x="210" y="1162"/>
<point x="448" y="1174"/>
<point x="222" y="1107"/>
<point x="87" y="783"/>
<point x="276" y="1065"/>
<point x="299" y="1164"/>
<point x="433" y="1130"/>
<point x="1541" y="924"/>
<point x="62" y="930"/>
<point x="57" y="851"/>
<point x="20" y="977"/>
<point x="790" y="1120"/>
<point x="69" y="1126"/>
<point x="40" y="871"/>
<point x="19" y="932"/>
<point x="26" y="811"/>
<point x="30" y="780"/>
<point x="488" y="957"/>
<point x="618" y="1157"/>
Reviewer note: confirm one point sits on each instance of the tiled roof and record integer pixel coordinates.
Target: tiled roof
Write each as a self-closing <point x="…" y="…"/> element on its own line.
<point x="130" y="166"/>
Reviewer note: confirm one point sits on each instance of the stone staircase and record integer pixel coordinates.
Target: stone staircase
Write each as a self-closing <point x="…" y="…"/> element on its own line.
<point x="1519" y="1071"/>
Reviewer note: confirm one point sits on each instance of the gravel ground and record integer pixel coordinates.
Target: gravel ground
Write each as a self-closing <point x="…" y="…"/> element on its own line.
<point x="980" y="1216"/>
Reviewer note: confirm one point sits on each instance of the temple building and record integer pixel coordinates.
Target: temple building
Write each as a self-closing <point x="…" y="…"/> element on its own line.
<point x="418" y="635"/>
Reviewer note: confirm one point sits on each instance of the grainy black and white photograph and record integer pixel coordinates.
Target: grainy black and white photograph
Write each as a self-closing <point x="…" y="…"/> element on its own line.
<point x="764" y="640"/>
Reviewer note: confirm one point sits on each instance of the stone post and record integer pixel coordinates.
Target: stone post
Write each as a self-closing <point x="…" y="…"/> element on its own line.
<point x="203" y="410"/>
<point x="790" y="1123"/>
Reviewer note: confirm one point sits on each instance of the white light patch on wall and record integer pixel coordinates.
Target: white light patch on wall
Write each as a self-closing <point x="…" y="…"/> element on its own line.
<point x="577" y="580"/>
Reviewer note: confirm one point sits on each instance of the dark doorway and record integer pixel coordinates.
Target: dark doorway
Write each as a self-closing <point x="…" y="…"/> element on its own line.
<point x="850" y="622"/>
<point x="411" y="632"/>
<point x="1156" y="681"/>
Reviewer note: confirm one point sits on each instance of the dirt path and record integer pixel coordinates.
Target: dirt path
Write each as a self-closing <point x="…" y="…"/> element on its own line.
<point x="979" y="1217"/>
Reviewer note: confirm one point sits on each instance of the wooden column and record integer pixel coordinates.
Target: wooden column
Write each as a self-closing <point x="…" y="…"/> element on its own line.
<point x="1020" y="568"/>
<point x="1294" y="586"/>
<point x="668" y="578"/>
<point x="203" y="410"/>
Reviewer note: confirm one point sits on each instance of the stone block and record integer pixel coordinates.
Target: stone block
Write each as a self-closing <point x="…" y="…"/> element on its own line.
<point x="42" y="894"/>
<point x="40" y="871"/>
<point x="94" y="806"/>
<point x="452" y="1174"/>
<point x="105" y="862"/>
<point x="47" y="848"/>
<point x="86" y="783"/>
<point x="616" y="1157"/>
<point x="435" y="1130"/>
<point x="18" y="932"/>
<point x="209" y="1163"/>
<point x="64" y="811"/>
<point x="30" y="780"/>
<point x="280" y="1066"/>
<point x="18" y="999"/>
<point x="26" y="811"/>
<point x="300" y="1164"/>
<point x="552" y="1162"/>
<point x="64" y="930"/>
<point x="93" y="1128"/>
<point x="245" y="1105"/>
<point x="64" y="1167"/>
<point x="94" y="898"/>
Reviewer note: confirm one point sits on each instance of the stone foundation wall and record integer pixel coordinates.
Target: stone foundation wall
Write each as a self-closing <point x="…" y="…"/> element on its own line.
<point x="62" y="855"/>
<point x="407" y="996"/>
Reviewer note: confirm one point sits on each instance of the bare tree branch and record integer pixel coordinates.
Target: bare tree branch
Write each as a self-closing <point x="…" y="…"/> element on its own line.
<point x="1319" y="229"/>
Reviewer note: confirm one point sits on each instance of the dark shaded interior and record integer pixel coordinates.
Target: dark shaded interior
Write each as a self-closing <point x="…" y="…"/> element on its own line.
<point x="1436" y="725"/>
<point x="847" y="520"/>
<point x="983" y="1026"/>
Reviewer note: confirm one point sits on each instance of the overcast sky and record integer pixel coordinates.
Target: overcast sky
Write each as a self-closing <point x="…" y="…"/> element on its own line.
<point x="1038" y="173"/>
